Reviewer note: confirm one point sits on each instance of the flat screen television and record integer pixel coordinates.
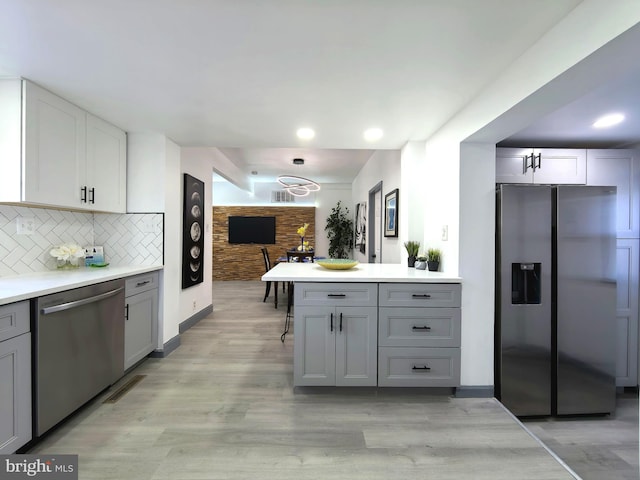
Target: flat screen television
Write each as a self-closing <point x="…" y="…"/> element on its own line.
<point x="260" y="230"/>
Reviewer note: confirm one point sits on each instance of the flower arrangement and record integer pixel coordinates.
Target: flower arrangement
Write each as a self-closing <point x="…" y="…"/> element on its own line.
<point x="302" y="231"/>
<point x="67" y="255"/>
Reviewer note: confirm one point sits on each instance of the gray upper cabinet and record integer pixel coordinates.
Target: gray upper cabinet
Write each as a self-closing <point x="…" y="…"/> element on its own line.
<point x="620" y="168"/>
<point x="541" y="166"/>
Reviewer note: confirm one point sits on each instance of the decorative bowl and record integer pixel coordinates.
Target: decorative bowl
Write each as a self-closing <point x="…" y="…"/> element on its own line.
<point x="337" y="263"/>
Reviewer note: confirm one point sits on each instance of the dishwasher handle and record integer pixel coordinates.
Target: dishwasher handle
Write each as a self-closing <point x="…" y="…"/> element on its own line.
<point x="79" y="303"/>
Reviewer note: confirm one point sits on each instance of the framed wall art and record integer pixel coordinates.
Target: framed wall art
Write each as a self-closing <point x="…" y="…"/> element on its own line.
<point x="361" y="227"/>
<point x="391" y="214"/>
<point x="193" y="232"/>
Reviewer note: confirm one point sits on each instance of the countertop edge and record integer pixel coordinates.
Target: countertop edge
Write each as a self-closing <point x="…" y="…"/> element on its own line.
<point x="363" y="273"/>
<point x="24" y="287"/>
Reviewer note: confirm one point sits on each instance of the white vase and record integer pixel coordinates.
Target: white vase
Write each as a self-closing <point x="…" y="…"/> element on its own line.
<point x="420" y="265"/>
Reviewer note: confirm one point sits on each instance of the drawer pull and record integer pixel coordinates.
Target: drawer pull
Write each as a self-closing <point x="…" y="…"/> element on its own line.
<point x="425" y="327"/>
<point x="424" y="368"/>
<point x="336" y="295"/>
<point x="140" y="284"/>
<point x="421" y="295"/>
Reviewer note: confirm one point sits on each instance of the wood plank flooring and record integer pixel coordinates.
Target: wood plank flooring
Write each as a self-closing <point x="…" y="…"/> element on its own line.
<point x="222" y="406"/>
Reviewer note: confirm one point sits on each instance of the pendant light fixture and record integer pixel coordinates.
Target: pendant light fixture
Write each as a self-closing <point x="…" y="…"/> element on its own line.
<point x="298" y="186"/>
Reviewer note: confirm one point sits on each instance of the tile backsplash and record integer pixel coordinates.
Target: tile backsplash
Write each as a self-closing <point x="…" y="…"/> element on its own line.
<point x="128" y="239"/>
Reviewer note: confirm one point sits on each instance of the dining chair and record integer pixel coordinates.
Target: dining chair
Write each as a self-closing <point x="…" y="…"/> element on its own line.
<point x="267" y="267"/>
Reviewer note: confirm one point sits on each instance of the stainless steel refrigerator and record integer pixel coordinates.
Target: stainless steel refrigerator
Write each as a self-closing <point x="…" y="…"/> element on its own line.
<point x="555" y="299"/>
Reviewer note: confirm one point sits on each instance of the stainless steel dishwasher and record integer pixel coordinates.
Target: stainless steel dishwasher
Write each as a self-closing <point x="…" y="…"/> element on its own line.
<point x="79" y="349"/>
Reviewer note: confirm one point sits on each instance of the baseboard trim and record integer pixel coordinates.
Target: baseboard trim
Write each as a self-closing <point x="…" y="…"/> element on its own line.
<point x="167" y="348"/>
<point x="474" y="391"/>
<point x="193" y="319"/>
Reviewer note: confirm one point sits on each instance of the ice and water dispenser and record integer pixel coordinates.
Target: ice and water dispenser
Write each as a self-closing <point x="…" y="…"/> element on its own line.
<point x="525" y="283"/>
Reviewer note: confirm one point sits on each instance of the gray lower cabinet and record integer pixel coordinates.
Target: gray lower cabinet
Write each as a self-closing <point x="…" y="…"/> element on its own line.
<point x="141" y="317"/>
<point x="419" y="335"/>
<point x="335" y="340"/>
<point x="15" y="377"/>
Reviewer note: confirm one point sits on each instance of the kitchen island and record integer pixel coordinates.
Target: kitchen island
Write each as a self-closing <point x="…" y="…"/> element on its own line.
<point x="383" y="325"/>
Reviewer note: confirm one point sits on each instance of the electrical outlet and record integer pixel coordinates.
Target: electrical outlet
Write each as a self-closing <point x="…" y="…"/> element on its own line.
<point x="445" y="233"/>
<point x="194" y="305"/>
<point x="25" y="226"/>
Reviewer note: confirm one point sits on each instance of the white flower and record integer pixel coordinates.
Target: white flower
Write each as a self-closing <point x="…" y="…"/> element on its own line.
<point x="67" y="251"/>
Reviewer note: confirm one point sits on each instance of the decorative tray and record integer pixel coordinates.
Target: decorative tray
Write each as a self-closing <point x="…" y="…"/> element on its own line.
<point x="337" y="263"/>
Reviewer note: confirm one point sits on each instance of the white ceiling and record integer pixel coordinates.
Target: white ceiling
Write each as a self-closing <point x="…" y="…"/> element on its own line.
<point x="243" y="75"/>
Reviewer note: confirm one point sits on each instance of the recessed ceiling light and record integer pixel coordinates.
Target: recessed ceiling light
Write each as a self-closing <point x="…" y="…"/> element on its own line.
<point x="305" y="133"/>
<point x="608" y="120"/>
<point x="373" y="134"/>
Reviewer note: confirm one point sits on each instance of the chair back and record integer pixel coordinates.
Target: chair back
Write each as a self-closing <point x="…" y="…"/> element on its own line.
<point x="267" y="262"/>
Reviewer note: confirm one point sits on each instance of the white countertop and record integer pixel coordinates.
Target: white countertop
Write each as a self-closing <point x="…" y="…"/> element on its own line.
<point x="363" y="272"/>
<point x="30" y="285"/>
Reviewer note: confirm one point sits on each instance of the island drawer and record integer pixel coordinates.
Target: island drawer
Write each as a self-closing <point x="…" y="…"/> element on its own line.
<point x="418" y="367"/>
<point x="347" y="294"/>
<point x="420" y="295"/>
<point x="419" y="327"/>
<point x="14" y="320"/>
<point x="140" y="283"/>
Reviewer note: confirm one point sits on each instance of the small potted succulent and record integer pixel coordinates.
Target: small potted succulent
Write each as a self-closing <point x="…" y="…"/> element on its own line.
<point x="433" y="259"/>
<point x="412" y="250"/>
<point x="421" y="262"/>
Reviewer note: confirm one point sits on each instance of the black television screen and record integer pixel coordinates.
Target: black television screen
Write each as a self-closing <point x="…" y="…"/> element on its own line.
<point x="252" y="230"/>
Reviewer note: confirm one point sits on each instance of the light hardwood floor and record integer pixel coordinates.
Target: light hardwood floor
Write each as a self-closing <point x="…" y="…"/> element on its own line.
<point x="222" y="406"/>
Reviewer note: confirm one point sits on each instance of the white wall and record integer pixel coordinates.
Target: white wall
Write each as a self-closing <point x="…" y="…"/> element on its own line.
<point x="416" y="179"/>
<point x="385" y="166"/>
<point x="227" y="194"/>
<point x="464" y="199"/>
<point x="154" y="183"/>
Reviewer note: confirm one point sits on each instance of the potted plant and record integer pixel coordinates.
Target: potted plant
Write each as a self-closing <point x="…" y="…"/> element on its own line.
<point x="412" y="250"/>
<point x="433" y="259"/>
<point x="421" y="262"/>
<point x="339" y="232"/>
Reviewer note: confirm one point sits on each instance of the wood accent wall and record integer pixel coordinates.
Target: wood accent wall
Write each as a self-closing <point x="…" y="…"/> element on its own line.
<point x="244" y="262"/>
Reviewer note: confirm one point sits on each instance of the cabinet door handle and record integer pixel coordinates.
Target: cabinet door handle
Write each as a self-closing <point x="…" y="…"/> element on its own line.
<point x="421" y="295"/>
<point x="340" y="321"/>
<point x="424" y="327"/>
<point x="332" y="322"/>
<point x="539" y="157"/>
<point x="83" y="194"/>
<point x="92" y="195"/>
<point x="336" y="295"/>
<point x="423" y="368"/>
<point x="126" y="312"/>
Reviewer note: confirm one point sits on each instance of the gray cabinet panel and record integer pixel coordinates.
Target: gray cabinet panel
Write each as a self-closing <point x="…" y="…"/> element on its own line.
<point x="619" y="168"/>
<point x="314" y="347"/>
<point x="335" y="294"/>
<point x="419" y="295"/>
<point x="419" y="327"/>
<point x="627" y="251"/>
<point x="140" y="326"/>
<point x="15" y="394"/>
<point x="418" y="367"/>
<point x="14" y="320"/>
